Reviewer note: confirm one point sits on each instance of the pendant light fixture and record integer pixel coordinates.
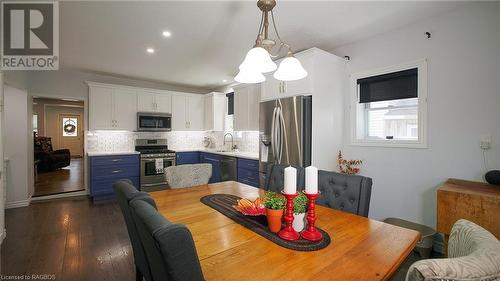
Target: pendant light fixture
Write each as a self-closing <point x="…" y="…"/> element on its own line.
<point x="259" y="59"/>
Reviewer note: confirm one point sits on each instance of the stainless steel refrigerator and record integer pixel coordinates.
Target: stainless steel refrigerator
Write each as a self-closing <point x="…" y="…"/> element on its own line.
<point x="284" y="133"/>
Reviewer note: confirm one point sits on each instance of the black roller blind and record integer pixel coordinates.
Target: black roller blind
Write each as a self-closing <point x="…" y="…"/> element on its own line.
<point x="230" y="103"/>
<point x="391" y="86"/>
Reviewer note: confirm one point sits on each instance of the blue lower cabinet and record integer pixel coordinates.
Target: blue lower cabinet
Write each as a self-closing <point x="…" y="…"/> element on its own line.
<point x="248" y="172"/>
<point x="105" y="170"/>
<point x="252" y="165"/>
<point x="213" y="159"/>
<point x="191" y="157"/>
<point x="248" y="177"/>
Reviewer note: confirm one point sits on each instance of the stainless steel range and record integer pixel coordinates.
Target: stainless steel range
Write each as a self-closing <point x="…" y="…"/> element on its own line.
<point x="155" y="157"/>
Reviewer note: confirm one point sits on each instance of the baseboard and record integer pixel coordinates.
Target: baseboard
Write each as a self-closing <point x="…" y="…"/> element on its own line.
<point x="17" y="204"/>
<point x="60" y="195"/>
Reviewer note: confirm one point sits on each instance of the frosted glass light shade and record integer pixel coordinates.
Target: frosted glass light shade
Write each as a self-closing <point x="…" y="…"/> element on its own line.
<point x="249" y="77"/>
<point x="290" y="69"/>
<point x="258" y="60"/>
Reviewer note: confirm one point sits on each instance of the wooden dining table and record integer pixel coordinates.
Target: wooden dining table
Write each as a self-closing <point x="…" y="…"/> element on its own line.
<point x="361" y="249"/>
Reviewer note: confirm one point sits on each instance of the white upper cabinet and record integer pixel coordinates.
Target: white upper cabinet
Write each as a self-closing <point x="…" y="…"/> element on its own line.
<point x="187" y="112"/>
<point x="112" y="108"/>
<point x="275" y="89"/>
<point x="196" y="112"/>
<point x="100" y="108"/>
<point x="145" y="101"/>
<point x="125" y="105"/>
<point x="149" y="101"/>
<point x="115" y="107"/>
<point x="179" y="113"/>
<point x="246" y="107"/>
<point x="215" y="110"/>
<point x="163" y="103"/>
<point x="253" y="108"/>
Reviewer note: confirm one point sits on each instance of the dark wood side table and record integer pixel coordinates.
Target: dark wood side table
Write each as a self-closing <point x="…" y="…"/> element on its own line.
<point x="474" y="201"/>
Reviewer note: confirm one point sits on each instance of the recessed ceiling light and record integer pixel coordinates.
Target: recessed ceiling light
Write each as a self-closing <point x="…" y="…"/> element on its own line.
<point x="166" y="33"/>
<point x="150" y="50"/>
<point x="224" y="80"/>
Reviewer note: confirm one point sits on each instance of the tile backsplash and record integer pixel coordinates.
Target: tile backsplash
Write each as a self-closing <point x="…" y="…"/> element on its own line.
<point x="118" y="141"/>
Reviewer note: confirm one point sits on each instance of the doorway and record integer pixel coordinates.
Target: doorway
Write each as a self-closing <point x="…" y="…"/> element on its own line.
<point x="58" y="131"/>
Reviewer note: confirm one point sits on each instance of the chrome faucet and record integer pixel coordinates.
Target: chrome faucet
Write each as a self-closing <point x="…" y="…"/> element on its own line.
<point x="232" y="140"/>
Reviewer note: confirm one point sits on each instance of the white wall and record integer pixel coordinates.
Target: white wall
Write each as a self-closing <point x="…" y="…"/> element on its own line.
<point x="17" y="79"/>
<point x="464" y="100"/>
<point x="16" y="148"/>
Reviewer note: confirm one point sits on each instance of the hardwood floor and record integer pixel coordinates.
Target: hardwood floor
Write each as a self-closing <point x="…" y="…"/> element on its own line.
<point x="67" y="179"/>
<point x="73" y="239"/>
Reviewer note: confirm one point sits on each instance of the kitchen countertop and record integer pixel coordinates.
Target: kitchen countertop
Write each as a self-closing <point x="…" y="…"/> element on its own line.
<point x="237" y="154"/>
<point x="112" y="153"/>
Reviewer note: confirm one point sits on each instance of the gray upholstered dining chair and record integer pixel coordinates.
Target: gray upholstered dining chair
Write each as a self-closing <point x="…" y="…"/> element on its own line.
<point x="125" y="192"/>
<point x="474" y="254"/>
<point x="349" y="193"/>
<point x="169" y="247"/>
<point x="276" y="176"/>
<point x="188" y="175"/>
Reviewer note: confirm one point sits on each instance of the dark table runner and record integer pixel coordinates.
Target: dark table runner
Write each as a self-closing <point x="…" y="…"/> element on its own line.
<point x="224" y="204"/>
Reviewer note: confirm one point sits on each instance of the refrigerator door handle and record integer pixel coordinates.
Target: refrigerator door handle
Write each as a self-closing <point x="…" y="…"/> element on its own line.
<point x="284" y="138"/>
<point x="273" y="135"/>
<point x="279" y="135"/>
<point x="299" y="140"/>
<point x="279" y="131"/>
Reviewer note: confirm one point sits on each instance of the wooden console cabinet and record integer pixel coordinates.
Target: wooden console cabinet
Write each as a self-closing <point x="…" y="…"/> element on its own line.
<point x="473" y="201"/>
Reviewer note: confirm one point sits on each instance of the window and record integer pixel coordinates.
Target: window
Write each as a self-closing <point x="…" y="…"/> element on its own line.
<point x="70" y="127"/>
<point x="35" y="123"/>
<point x="230" y="103"/>
<point x="389" y="106"/>
<point x="229" y="117"/>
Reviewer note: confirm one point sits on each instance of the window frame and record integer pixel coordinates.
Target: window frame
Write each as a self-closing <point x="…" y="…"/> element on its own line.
<point x="357" y="115"/>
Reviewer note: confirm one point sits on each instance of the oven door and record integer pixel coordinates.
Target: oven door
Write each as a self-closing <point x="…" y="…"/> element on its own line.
<point x="154" y="122"/>
<point x="150" y="175"/>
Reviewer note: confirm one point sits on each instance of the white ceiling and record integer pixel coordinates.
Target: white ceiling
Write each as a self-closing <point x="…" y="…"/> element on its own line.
<point x="210" y="38"/>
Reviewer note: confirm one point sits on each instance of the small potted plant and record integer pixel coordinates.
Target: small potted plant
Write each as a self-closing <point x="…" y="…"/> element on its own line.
<point x="299" y="212"/>
<point x="274" y="203"/>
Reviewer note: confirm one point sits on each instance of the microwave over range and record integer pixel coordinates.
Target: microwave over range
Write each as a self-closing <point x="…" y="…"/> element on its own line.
<point x="154" y="122"/>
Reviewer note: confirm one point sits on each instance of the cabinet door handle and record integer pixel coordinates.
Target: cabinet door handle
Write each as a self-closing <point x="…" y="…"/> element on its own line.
<point x="116" y="160"/>
<point x="212" y="159"/>
<point x="116" y="171"/>
<point x="284" y="87"/>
